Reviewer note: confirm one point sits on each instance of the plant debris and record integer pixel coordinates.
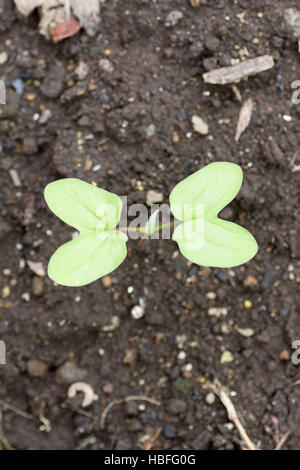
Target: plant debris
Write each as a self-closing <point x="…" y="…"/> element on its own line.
<point x="57" y="20"/>
<point x="225" y="75"/>
<point x="244" y="118"/>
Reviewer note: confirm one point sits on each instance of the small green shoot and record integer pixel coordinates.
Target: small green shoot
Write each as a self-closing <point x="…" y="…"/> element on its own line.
<point x="100" y="248"/>
<point x="151" y="224"/>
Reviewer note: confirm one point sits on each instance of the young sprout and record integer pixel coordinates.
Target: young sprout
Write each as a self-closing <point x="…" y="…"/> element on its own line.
<point x="100" y="248"/>
<point x="151" y="224"/>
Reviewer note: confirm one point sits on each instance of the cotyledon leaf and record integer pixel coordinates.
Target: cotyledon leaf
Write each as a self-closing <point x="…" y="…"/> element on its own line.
<point x="87" y="257"/>
<point x="206" y="191"/>
<point x="82" y="205"/>
<point x="215" y="243"/>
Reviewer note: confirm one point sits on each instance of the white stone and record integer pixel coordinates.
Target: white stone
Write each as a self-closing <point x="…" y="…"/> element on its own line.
<point x="153" y="197"/>
<point x="210" y="398"/>
<point x="211" y="295"/>
<point x="227" y="356"/>
<point x="3" y="58"/>
<point x="137" y="312"/>
<point x="247" y="332"/>
<point x="217" y="311"/>
<point x="199" y="125"/>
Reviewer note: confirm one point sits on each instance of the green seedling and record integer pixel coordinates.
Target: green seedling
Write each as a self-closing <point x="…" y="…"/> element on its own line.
<point x="202" y="237"/>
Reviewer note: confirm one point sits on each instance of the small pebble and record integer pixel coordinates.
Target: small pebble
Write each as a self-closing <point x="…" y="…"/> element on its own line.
<point x="225" y="328"/>
<point x="18" y="86"/>
<point x="37" y="286"/>
<point x="217" y="311"/>
<point x="227" y="356"/>
<point x="115" y="323"/>
<point x="250" y="281"/>
<point x="150" y="130"/>
<point x="153" y="197"/>
<point x="169" y="432"/>
<point x="82" y="70"/>
<point x="173" y="18"/>
<point x="108" y="388"/>
<point x="247" y="303"/>
<point x="212" y="44"/>
<point x="45" y="116"/>
<point x="229" y="426"/>
<point x="3" y="57"/>
<point x="194" y="3"/>
<point x="106" y="281"/>
<point x="148" y="417"/>
<point x="15" y="178"/>
<point x="199" y="125"/>
<point x="69" y="372"/>
<point x="180" y="340"/>
<point x="247" y="332"/>
<point x="284" y="355"/>
<point x="5" y="292"/>
<point x="210" y="398"/>
<point x="137" y="312"/>
<point x="292" y="18"/>
<point x="186" y="371"/>
<point x="211" y="295"/>
<point x="106" y="65"/>
<point x="181" y="355"/>
<point x="37" y="267"/>
<point x="175" y="138"/>
<point x="30" y="96"/>
<point x="130" y="356"/>
<point x="26" y="296"/>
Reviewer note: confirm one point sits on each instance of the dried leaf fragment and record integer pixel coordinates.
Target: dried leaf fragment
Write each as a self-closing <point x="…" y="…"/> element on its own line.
<point x="67" y="28"/>
<point x="244" y="118"/>
<point x="63" y="18"/>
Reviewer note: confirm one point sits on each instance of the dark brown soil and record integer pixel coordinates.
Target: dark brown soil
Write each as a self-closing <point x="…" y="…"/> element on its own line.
<point x="156" y="79"/>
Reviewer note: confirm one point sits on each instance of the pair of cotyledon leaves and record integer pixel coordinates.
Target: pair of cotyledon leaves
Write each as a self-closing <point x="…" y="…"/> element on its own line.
<point x="100" y="247"/>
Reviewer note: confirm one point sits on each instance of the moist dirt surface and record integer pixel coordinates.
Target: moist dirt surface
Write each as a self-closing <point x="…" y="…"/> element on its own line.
<point x="115" y="109"/>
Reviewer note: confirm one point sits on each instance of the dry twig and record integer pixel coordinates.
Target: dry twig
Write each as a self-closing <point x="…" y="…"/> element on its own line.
<point x="16" y="410"/>
<point x="3" y="439"/>
<point x="283" y="440"/>
<point x="153" y="439"/>
<point x="225" y="75"/>
<point x="222" y="393"/>
<point x="119" y="401"/>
